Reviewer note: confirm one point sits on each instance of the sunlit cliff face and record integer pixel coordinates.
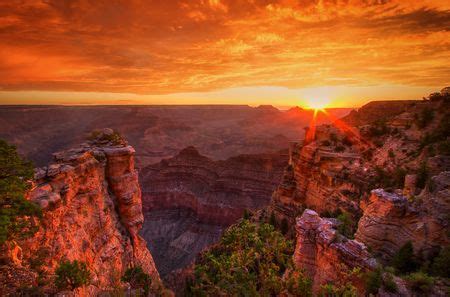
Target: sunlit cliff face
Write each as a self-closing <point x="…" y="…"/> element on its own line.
<point x="218" y="51"/>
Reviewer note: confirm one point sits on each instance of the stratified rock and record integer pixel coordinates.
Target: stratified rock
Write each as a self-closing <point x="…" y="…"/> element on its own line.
<point x="324" y="254"/>
<point x="189" y="200"/>
<point x="389" y="221"/>
<point x="321" y="179"/>
<point x="92" y="212"/>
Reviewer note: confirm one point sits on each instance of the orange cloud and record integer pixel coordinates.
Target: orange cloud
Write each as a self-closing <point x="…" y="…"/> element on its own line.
<point x="162" y="47"/>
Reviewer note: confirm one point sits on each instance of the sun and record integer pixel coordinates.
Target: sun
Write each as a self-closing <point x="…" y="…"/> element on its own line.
<point x="318" y="103"/>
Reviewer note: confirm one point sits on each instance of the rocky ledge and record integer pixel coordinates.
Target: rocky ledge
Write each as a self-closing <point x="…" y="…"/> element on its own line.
<point x="92" y="212"/>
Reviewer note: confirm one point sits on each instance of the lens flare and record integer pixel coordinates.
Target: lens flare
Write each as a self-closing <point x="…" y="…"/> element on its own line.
<point x="318" y="103"/>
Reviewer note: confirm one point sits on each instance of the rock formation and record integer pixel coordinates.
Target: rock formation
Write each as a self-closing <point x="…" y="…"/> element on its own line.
<point x="390" y="220"/>
<point x="92" y="212"/>
<point x="325" y="255"/>
<point x="189" y="199"/>
<point x="321" y="179"/>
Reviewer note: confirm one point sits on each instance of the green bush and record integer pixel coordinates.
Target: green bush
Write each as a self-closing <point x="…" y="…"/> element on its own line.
<point x="331" y="290"/>
<point x="71" y="275"/>
<point x="115" y="137"/>
<point x="420" y="282"/>
<point x="249" y="260"/>
<point x="389" y="284"/>
<point x="299" y="284"/>
<point x="373" y="281"/>
<point x="404" y="261"/>
<point x="15" y="173"/>
<point x="138" y="279"/>
<point x="441" y="264"/>
<point x="347" y="226"/>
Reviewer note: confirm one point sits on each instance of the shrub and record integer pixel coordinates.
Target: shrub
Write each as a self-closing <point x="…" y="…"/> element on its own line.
<point x="404" y="260"/>
<point x="422" y="176"/>
<point x="441" y="264"/>
<point x="249" y="260"/>
<point x="331" y="290"/>
<point x="14" y="208"/>
<point x="137" y="279"/>
<point x="420" y="282"/>
<point x="424" y="118"/>
<point x="71" y="275"/>
<point x="273" y="219"/>
<point x="114" y="137"/>
<point x="339" y="149"/>
<point x="399" y="177"/>
<point x="346" y="227"/>
<point x="389" y="283"/>
<point x="247" y="214"/>
<point x="299" y="285"/>
<point x="373" y="281"/>
<point x="379" y="128"/>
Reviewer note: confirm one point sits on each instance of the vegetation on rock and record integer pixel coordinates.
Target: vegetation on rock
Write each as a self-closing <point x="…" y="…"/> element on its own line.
<point x="71" y="275"/>
<point x="441" y="264"/>
<point x="15" y="210"/>
<point x="250" y="260"/>
<point x="404" y="261"/>
<point x="107" y="135"/>
<point x="138" y="279"/>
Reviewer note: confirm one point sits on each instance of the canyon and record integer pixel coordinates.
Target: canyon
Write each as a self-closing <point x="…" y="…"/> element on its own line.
<point x="351" y="195"/>
<point x="188" y="200"/>
<point x="157" y="132"/>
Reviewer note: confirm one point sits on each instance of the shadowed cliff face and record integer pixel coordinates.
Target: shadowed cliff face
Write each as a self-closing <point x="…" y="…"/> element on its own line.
<point x="189" y="200"/>
<point x="156" y="132"/>
<point x="92" y="212"/>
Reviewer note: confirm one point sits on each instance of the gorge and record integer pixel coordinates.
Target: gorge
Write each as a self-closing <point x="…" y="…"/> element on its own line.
<point x="345" y="204"/>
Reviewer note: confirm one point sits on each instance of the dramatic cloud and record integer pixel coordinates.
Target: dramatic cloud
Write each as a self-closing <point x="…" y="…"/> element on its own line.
<point x="161" y="47"/>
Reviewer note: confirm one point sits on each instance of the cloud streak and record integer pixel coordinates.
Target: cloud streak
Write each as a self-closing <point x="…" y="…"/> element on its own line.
<point x="161" y="47"/>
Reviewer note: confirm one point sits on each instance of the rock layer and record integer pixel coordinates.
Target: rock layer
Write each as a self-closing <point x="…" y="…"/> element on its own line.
<point x="188" y="200"/>
<point x="326" y="256"/>
<point x="92" y="212"/>
<point x="390" y="220"/>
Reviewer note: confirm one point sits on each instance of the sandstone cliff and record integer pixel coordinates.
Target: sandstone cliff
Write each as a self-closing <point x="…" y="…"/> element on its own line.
<point x="188" y="200"/>
<point x="390" y="220"/>
<point x="406" y="150"/>
<point x="92" y="212"/>
<point x="325" y="255"/>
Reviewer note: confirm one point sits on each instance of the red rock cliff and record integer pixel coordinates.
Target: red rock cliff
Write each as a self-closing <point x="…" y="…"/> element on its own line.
<point x="326" y="256"/>
<point x="92" y="212"/>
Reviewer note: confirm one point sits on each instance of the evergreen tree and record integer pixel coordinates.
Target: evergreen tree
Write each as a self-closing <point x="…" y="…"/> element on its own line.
<point x="15" y="210"/>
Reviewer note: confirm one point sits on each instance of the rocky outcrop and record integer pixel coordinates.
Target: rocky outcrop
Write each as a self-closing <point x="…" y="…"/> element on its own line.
<point x="390" y="220"/>
<point x="325" y="255"/>
<point x="92" y="212"/>
<point x="189" y="200"/>
<point x="321" y="179"/>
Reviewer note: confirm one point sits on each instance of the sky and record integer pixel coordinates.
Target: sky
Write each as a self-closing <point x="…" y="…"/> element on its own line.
<point x="279" y="52"/>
